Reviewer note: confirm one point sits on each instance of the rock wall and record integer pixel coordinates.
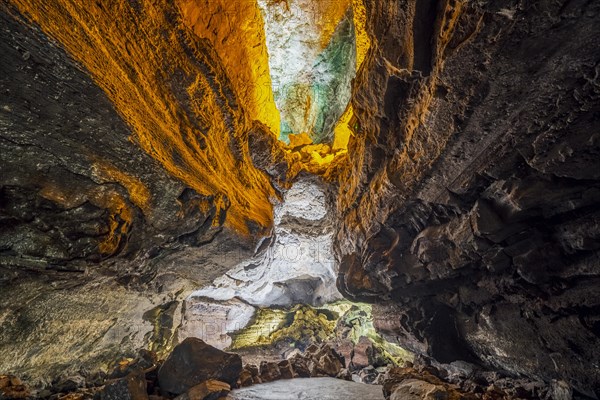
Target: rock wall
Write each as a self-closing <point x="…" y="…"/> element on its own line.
<point x="471" y="209"/>
<point x="100" y="242"/>
<point x="295" y="266"/>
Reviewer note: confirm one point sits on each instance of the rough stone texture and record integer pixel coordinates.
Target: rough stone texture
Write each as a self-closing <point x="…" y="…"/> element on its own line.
<point x="468" y="207"/>
<point x="132" y="387"/>
<point x="11" y="387"/>
<point x="296" y="265"/>
<point x="312" y="61"/>
<point x="99" y="244"/>
<point x="472" y="202"/>
<point x="193" y="362"/>
<point x="209" y="390"/>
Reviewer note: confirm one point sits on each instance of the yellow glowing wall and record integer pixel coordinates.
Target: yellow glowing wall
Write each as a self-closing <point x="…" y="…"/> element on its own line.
<point x="235" y="29"/>
<point x="172" y="89"/>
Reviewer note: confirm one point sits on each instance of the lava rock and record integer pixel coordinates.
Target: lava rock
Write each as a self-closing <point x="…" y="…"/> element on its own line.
<point x="209" y="390"/>
<point x="414" y="389"/>
<point x="364" y="353"/>
<point x="285" y="369"/>
<point x="132" y="387"/>
<point x="269" y="371"/>
<point x="193" y="362"/>
<point x="300" y="366"/>
<point x="11" y="387"/>
<point x="328" y="361"/>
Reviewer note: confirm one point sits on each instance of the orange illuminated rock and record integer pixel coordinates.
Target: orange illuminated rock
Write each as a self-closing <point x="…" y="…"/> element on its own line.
<point x="235" y="30"/>
<point x="172" y="87"/>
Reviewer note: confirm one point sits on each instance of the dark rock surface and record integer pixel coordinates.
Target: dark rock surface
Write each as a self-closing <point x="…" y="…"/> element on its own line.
<point x="99" y="244"/>
<point x="193" y="362"/>
<point x="472" y="211"/>
<point x="75" y="189"/>
<point x="132" y="387"/>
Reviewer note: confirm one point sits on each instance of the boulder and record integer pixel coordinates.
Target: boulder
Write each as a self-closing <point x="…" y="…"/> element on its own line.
<point x="345" y="348"/>
<point x="193" y="362"/>
<point x="368" y="375"/>
<point x="269" y="371"/>
<point x="132" y="387"/>
<point x="285" y="369"/>
<point x="300" y="366"/>
<point x="344" y="374"/>
<point x="414" y="389"/>
<point x="327" y="362"/>
<point x="364" y="353"/>
<point x="246" y="378"/>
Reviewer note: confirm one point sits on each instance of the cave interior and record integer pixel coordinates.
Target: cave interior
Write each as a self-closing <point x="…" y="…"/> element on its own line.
<point x="200" y="198"/>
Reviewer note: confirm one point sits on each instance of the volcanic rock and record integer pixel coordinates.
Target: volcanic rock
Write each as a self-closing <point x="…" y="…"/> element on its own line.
<point x="193" y="362"/>
<point x="208" y="390"/>
<point x="132" y="387"/>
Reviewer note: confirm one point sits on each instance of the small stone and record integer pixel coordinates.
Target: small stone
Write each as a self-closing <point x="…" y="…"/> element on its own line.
<point x="209" y="390"/>
<point x="285" y="369"/>
<point x="245" y="378"/>
<point x="4" y="381"/>
<point x="132" y="387"/>
<point x="253" y="369"/>
<point x="269" y="371"/>
<point x="364" y="353"/>
<point x="14" y="381"/>
<point x="300" y="366"/>
<point x="344" y="374"/>
<point x="414" y="389"/>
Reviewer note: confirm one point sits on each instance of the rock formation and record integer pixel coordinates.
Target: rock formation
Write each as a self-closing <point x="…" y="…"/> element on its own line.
<point x="139" y="161"/>
<point x="472" y="202"/>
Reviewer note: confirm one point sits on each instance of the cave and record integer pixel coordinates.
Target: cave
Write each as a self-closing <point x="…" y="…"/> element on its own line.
<point x="300" y="199"/>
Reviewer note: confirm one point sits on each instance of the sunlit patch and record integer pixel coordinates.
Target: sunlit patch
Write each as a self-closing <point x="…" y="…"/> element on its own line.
<point x="312" y="59"/>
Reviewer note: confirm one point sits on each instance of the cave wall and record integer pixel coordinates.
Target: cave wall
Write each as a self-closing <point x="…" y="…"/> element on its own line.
<point x="174" y="91"/>
<point x="100" y="242"/>
<point x="470" y="212"/>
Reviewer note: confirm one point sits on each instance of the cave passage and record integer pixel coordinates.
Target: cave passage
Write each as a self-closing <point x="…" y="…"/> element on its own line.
<point x="284" y="299"/>
<point x="198" y="196"/>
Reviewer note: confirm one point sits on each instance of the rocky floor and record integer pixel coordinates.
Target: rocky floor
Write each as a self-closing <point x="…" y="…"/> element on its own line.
<point x="309" y="389"/>
<point x="197" y="371"/>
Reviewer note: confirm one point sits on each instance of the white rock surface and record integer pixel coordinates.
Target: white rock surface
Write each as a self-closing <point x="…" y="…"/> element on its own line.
<point x="299" y="73"/>
<point x="298" y="267"/>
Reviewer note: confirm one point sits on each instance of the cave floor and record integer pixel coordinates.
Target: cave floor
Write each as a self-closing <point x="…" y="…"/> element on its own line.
<point x="309" y="389"/>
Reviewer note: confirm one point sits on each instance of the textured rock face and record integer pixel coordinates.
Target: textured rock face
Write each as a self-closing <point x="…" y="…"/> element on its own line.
<point x="298" y="266"/>
<point x="312" y="60"/>
<point x="90" y="224"/>
<point x="171" y="87"/>
<point x="295" y="266"/>
<point x="468" y="201"/>
<point x="473" y="199"/>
